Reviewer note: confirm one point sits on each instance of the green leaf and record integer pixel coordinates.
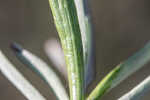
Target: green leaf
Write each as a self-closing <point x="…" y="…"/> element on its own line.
<point x="104" y="85"/>
<point x="87" y="40"/>
<point x="128" y="67"/>
<point x="66" y="21"/>
<point x="18" y="80"/>
<point x="42" y="69"/>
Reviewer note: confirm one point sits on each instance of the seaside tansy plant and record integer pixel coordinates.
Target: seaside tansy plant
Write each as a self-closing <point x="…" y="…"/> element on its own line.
<point x="74" y="29"/>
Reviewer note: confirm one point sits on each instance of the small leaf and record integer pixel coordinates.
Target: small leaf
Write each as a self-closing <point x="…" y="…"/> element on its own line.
<point x="40" y="67"/>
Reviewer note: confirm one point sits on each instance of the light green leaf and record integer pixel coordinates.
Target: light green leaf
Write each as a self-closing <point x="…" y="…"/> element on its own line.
<point x="128" y="67"/>
<point x="139" y="91"/>
<point x="18" y="80"/>
<point x="45" y="71"/>
<point x="87" y="40"/>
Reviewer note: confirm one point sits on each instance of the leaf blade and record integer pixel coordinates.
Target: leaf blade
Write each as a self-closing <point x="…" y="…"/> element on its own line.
<point x="127" y="68"/>
<point x="66" y="21"/>
<point x="137" y="92"/>
<point x="18" y="80"/>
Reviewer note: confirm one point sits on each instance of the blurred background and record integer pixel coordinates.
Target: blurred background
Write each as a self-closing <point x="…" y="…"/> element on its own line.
<point x="120" y="28"/>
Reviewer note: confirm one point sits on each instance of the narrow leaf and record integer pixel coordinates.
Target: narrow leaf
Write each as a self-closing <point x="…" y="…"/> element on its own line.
<point x="87" y="39"/>
<point x="66" y="21"/>
<point x="128" y="67"/>
<point x="18" y="80"/>
<point x="137" y="92"/>
<point x="46" y="73"/>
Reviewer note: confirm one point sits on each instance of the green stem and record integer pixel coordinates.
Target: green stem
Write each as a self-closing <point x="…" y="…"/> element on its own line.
<point x="66" y="21"/>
